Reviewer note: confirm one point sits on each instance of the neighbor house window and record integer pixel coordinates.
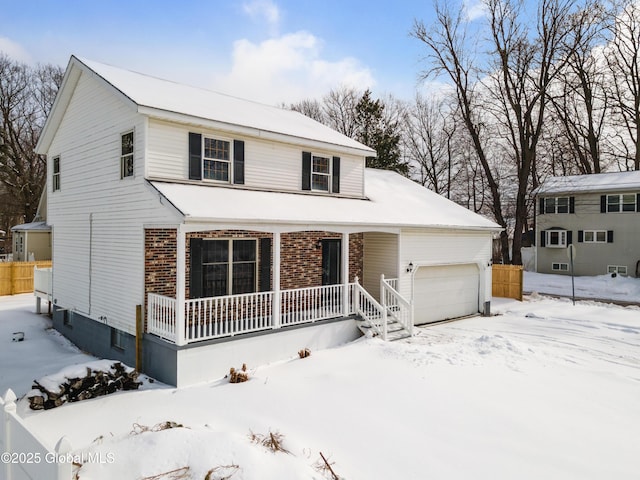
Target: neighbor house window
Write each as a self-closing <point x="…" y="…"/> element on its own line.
<point x="56" y="174"/>
<point x="126" y="155"/>
<point x="595" y="236"/>
<point x="556" y="205"/>
<point x="619" y="269"/>
<point x="320" y="173"/>
<point x="560" y="267"/>
<point x="621" y="203"/>
<point x="556" y="238"/>
<point x="216" y="159"/>
<point x="228" y="267"/>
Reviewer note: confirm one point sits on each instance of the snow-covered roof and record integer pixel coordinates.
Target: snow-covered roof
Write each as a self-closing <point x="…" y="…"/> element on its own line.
<point x="33" y="226"/>
<point x="392" y="201"/>
<point x="599" y="182"/>
<point x="166" y="99"/>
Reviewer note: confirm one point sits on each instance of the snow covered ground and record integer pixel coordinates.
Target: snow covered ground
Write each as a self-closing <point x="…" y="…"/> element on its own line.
<point x="543" y="389"/>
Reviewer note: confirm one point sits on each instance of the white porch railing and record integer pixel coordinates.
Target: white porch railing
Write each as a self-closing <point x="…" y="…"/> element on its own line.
<point x="396" y="306"/>
<point x="303" y="305"/>
<point x="42" y="278"/>
<point x="161" y="316"/>
<point x="214" y="317"/>
<point x="370" y="310"/>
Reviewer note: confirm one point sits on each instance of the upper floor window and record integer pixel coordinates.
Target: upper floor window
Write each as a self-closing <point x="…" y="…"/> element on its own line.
<point x="216" y="159"/>
<point x="216" y="163"/>
<point x="126" y="155"/>
<point x="320" y="172"/>
<point x="56" y="174"/>
<point x="625" y="202"/>
<point x="557" y="205"/>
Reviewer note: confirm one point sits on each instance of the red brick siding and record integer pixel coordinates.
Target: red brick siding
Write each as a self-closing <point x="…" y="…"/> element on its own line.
<point x="160" y="260"/>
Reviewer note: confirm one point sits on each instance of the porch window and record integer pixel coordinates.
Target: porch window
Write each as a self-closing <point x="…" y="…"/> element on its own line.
<point x="228" y="267"/>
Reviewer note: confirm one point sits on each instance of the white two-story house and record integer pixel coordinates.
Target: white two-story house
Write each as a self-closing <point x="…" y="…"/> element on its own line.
<point x="240" y="232"/>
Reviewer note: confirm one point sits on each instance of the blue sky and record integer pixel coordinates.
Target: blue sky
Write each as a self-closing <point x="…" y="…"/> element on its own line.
<point x="267" y="50"/>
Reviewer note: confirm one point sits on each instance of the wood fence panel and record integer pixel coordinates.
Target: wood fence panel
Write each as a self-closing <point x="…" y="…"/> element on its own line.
<point x="17" y="277"/>
<point x="507" y="281"/>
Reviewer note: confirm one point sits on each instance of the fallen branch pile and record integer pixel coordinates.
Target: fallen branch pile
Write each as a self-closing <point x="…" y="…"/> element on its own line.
<point x="94" y="384"/>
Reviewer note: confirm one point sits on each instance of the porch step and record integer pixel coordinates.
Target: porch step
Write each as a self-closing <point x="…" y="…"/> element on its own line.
<point x="395" y="331"/>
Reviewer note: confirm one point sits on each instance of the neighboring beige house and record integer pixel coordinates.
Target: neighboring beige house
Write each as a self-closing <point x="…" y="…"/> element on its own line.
<point x="599" y="214"/>
<point x="243" y="231"/>
<point x="32" y="241"/>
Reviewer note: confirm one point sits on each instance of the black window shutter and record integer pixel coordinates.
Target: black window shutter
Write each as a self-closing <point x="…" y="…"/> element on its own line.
<point x="238" y="162"/>
<point x="569" y="237"/>
<point x="335" y="182"/>
<point x="195" y="156"/>
<point x="541" y="206"/>
<point x="637" y="202"/>
<point x="543" y="238"/>
<point x="195" y="272"/>
<point x="580" y="236"/>
<point x="609" y="236"/>
<point x="265" y="264"/>
<point x="306" y="170"/>
<point x="572" y="204"/>
<point x="603" y="204"/>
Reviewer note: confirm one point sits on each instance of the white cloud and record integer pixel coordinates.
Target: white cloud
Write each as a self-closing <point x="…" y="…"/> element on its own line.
<point x="287" y="69"/>
<point x="474" y="9"/>
<point x="14" y="50"/>
<point x="263" y="10"/>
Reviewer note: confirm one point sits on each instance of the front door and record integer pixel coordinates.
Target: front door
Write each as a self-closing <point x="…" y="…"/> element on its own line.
<point x="331" y="261"/>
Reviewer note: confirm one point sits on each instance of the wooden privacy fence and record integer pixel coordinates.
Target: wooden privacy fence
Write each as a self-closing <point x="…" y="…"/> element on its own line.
<point x="17" y="277"/>
<point x="507" y="281"/>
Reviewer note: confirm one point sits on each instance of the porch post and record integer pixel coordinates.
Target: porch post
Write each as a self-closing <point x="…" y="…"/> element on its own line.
<point x="345" y="274"/>
<point x="276" y="280"/>
<point x="181" y="256"/>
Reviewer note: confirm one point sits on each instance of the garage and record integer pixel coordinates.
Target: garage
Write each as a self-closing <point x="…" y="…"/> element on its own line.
<point x="445" y="291"/>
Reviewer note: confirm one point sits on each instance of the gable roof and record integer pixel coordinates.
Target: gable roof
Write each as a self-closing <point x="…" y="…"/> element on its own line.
<point x="597" y="182"/>
<point x="393" y="202"/>
<point x="177" y="102"/>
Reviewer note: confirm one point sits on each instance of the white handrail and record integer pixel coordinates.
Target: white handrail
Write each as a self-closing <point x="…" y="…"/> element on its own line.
<point x="396" y="305"/>
<point x="368" y="308"/>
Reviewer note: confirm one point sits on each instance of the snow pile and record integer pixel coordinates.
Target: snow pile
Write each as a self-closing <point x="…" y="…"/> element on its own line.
<point x="599" y="287"/>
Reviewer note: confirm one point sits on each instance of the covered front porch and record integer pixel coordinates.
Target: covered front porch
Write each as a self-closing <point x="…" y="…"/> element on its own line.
<point x="298" y="277"/>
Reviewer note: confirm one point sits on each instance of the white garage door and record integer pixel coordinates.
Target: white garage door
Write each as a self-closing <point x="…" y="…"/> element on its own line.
<point x="444" y="292"/>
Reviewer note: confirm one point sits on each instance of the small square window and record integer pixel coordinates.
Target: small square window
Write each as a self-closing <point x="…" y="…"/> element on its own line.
<point x="560" y="267"/>
<point x="619" y="269"/>
<point x="117" y="339"/>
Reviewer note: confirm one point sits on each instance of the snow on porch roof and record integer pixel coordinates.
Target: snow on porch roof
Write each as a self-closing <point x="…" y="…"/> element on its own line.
<point x="199" y="103"/>
<point x="598" y="182"/>
<point x="393" y="201"/>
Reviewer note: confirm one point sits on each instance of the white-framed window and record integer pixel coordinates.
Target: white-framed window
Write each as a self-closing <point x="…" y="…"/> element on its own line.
<point x="556" y="205"/>
<point x="117" y="339"/>
<point x="595" y="236"/>
<point x="556" y="238"/>
<point x="55" y="180"/>
<point x="229" y="266"/>
<point x="321" y="173"/>
<point x="126" y="155"/>
<point x="560" y="267"/>
<point x="216" y="159"/>
<point x="625" y="202"/>
<point x="619" y="269"/>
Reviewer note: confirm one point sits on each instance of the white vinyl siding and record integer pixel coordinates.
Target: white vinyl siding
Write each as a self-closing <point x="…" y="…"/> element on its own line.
<point x="97" y="219"/>
<point x="426" y="247"/>
<point x="268" y="165"/>
<point x="380" y="257"/>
